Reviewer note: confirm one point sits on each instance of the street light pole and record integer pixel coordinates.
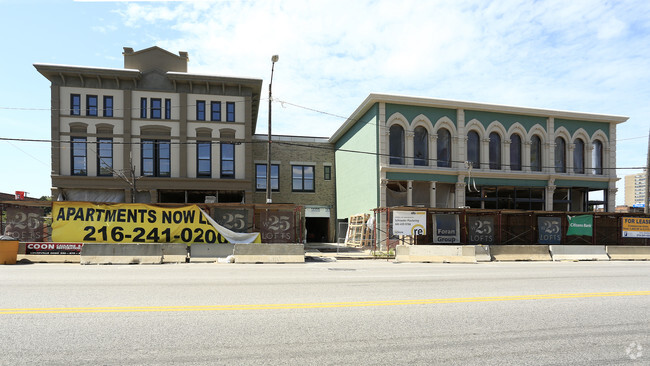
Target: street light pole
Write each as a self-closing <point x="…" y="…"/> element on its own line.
<point x="274" y="59"/>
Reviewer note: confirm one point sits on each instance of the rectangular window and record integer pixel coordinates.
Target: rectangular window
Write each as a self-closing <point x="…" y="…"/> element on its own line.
<point x="230" y="111"/>
<point x="203" y="159"/>
<point x="105" y="156"/>
<point x="156" y="108"/>
<point x="227" y="160"/>
<point x="200" y="110"/>
<point x="143" y="107"/>
<point x="168" y="109"/>
<point x="260" y="177"/>
<point x="215" y="108"/>
<point x="75" y="104"/>
<point x="156" y="158"/>
<point x="91" y="105"/>
<point x="79" y="156"/>
<point x="302" y="177"/>
<point x="327" y="172"/>
<point x="108" y="106"/>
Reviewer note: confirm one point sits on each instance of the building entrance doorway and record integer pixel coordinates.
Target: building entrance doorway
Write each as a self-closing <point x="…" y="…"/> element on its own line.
<point x="317" y="229"/>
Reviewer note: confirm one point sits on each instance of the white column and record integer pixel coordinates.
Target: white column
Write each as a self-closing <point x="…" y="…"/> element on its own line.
<point x="525" y="158"/>
<point x="589" y="151"/>
<point x="382" y="192"/>
<point x="433" y="150"/>
<point x="611" y="196"/>
<point x="409" y="193"/>
<point x="569" y="163"/>
<point x="610" y="157"/>
<point x="408" y="148"/>
<point x="550" y="132"/>
<point x="460" y="191"/>
<point x="459" y="149"/>
<point x="432" y="194"/>
<point x="505" y="154"/>
<point x="485" y="153"/>
<point x="550" y="189"/>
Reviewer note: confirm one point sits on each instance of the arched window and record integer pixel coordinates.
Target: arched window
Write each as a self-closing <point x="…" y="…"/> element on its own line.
<point x="444" y="148"/>
<point x="495" y="151"/>
<point x="396" y="145"/>
<point x="515" y="152"/>
<point x="579" y="157"/>
<point x="536" y="154"/>
<point x="597" y="158"/>
<point x="421" y="147"/>
<point x="560" y="155"/>
<point x="474" y="149"/>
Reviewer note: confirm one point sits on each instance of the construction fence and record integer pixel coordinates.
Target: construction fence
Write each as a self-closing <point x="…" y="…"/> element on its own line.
<point x="31" y="221"/>
<point x="388" y="227"/>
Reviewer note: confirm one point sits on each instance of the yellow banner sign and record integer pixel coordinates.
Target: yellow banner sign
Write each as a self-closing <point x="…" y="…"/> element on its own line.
<point x="87" y="222"/>
<point x="636" y="227"/>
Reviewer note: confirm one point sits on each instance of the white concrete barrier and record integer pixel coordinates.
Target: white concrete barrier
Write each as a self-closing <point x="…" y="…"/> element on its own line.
<point x="482" y="253"/>
<point x="269" y="253"/>
<point x="578" y="253"/>
<point x="630" y="253"/>
<point x="436" y="253"/>
<point x="210" y="253"/>
<point x="174" y="253"/>
<point x="121" y="254"/>
<point x="520" y="252"/>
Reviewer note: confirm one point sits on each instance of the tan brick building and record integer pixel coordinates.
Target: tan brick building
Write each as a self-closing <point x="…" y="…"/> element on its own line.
<point x="302" y="173"/>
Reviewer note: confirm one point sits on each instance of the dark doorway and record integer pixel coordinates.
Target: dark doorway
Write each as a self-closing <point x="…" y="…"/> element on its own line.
<point x="317" y="228"/>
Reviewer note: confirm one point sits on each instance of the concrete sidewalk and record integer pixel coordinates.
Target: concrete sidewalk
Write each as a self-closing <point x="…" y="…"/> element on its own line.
<point x="335" y="251"/>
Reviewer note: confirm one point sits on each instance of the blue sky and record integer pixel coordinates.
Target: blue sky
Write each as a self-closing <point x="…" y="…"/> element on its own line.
<point x="585" y="56"/>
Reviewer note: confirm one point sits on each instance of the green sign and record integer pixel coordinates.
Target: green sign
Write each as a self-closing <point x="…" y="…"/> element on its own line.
<point x="580" y="225"/>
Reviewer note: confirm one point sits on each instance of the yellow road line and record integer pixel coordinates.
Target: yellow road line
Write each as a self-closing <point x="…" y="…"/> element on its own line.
<point x="129" y="309"/>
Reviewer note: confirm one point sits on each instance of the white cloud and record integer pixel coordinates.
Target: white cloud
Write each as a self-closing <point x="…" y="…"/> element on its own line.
<point x="579" y="55"/>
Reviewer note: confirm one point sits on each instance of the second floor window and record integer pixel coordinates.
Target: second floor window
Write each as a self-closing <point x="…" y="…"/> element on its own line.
<point x="200" y="110"/>
<point x="260" y="177"/>
<point x="327" y="172"/>
<point x="302" y="177"/>
<point x="474" y="149"/>
<point x="230" y="112"/>
<point x="75" y="104"/>
<point x="108" y="106"/>
<point x="227" y="160"/>
<point x="203" y="159"/>
<point x="156" y="158"/>
<point x="156" y="108"/>
<point x="79" y="156"/>
<point x="105" y="156"/>
<point x="396" y="144"/>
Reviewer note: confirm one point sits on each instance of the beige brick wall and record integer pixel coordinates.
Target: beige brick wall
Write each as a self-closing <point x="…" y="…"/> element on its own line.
<point x="287" y="151"/>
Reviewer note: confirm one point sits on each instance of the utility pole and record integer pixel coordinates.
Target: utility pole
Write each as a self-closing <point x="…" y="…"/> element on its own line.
<point x="274" y="59"/>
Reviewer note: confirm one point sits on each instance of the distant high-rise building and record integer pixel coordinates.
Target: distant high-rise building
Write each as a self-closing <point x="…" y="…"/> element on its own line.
<point x="635" y="189"/>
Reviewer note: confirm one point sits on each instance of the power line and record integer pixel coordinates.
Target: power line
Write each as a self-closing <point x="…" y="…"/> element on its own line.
<point x="303" y="145"/>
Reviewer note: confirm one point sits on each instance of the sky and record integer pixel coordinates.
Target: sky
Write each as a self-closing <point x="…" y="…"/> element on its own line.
<point x="584" y="56"/>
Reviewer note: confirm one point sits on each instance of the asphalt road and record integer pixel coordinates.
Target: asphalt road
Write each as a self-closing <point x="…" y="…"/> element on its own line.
<point x="346" y="312"/>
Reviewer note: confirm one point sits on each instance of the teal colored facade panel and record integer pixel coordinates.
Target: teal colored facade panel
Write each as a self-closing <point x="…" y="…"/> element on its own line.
<point x="422" y="177"/>
<point x="410" y="112"/>
<point x="507" y="120"/>
<point x="591" y="127"/>
<point x="581" y="183"/>
<point x="510" y="182"/>
<point x="357" y="166"/>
